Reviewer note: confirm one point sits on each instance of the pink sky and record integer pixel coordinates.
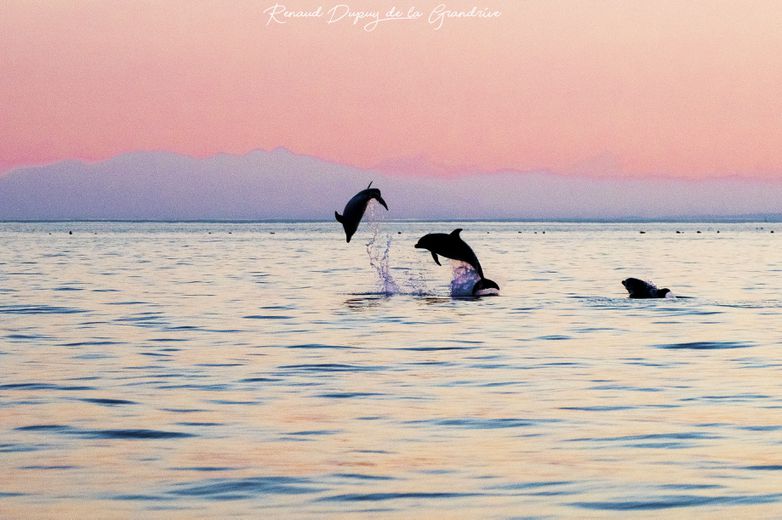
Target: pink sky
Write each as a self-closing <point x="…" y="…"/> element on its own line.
<point x="673" y="88"/>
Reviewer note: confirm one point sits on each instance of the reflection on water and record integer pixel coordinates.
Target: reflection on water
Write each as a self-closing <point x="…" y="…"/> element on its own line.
<point x="215" y="370"/>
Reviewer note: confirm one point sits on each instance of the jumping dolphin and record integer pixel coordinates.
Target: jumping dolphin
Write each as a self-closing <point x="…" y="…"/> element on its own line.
<point x="451" y="245"/>
<point x="355" y="208"/>
<point x="640" y="289"/>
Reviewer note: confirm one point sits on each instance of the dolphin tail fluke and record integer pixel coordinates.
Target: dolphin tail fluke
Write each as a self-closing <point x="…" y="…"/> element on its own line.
<point x="340" y="219"/>
<point x="485" y="287"/>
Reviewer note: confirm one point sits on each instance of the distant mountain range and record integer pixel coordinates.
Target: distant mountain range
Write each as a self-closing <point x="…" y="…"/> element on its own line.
<point x="279" y="184"/>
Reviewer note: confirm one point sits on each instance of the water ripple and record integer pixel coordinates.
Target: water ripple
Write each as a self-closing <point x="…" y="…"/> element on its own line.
<point x="677" y="501"/>
<point x="245" y="488"/>
<point x="136" y="433"/>
<point x="106" y="401"/>
<point x="705" y="345"/>
<point x="332" y="367"/>
<point x="44" y="386"/>
<point x="37" y="309"/>
<point x="378" y="497"/>
<point x="484" y="424"/>
<point x="348" y="395"/>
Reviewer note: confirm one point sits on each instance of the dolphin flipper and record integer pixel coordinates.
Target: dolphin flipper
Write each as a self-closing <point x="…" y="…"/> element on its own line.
<point x="436" y="260"/>
<point x="338" y="217"/>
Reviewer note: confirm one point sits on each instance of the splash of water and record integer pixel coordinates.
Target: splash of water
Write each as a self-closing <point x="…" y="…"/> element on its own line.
<point x="379" y="253"/>
<point x="379" y="250"/>
<point x="464" y="279"/>
<point x="416" y="285"/>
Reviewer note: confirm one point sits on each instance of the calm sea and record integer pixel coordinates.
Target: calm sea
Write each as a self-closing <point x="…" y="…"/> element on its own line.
<point x="195" y="370"/>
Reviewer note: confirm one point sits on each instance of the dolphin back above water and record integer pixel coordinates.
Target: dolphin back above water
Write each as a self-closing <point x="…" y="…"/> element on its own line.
<point x="355" y="208"/>
<point x="451" y="245"/>
<point x="641" y="289"/>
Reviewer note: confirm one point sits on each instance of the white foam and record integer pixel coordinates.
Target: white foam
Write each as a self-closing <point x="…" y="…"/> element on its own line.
<point x="490" y="291"/>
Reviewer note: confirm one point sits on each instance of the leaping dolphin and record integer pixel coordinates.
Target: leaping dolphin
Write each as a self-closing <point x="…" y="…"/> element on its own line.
<point x="451" y="245"/>
<point x="641" y="289"/>
<point x="354" y="209"/>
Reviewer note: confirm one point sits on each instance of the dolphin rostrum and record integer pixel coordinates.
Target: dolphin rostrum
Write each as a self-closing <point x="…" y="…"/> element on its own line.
<point x="451" y="245"/>
<point x="354" y="209"/>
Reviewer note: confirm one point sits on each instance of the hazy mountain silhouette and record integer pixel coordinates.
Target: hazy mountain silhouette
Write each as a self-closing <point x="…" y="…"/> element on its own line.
<point x="279" y="184"/>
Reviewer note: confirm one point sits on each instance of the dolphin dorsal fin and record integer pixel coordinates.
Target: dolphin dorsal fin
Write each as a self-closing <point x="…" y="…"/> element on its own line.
<point x="455" y="232"/>
<point x="370" y="184"/>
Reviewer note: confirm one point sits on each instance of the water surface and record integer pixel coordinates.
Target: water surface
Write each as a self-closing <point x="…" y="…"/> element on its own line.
<point x="272" y="370"/>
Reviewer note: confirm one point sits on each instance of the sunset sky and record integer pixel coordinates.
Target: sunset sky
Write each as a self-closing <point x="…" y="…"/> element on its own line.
<point x="622" y="88"/>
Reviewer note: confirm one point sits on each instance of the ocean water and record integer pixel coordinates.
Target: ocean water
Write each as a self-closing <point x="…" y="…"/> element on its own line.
<point x="211" y="370"/>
